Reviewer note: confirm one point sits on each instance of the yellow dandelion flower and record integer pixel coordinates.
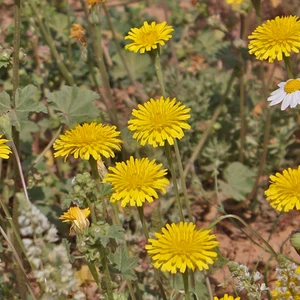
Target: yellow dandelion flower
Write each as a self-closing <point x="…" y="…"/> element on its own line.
<point x="92" y="3"/>
<point x="148" y="37"/>
<point x="136" y="181"/>
<point x="180" y="246"/>
<point x="4" y="149"/>
<point x="157" y="121"/>
<point x="276" y="38"/>
<point x="88" y="140"/>
<point x="284" y="190"/>
<point x="78" y="32"/>
<point x="234" y="2"/>
<point x="78" y="217"/>
<point x="227" y="297"/>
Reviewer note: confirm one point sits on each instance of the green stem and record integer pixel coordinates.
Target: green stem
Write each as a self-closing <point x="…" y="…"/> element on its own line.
<point x="271" y="250"/>
<point x="146" y="233"/>
<point x="288" y="66"/>
<point x="182" y="180"/>
<point x="156" y="60"/>
<point x="208" y="285"/>
<point x="209" y="127"/>
<point x="185" y="277"/>
<point x="94" y="274"/>
<point x="95" y="32"/>
<point x="242" y="109"/>
<point x="20" y="265"/>
<point x="173" y="174"/>
<point x="49" y="40"/>
<point x="141" y="93"/>
<point x="106" y="275"/>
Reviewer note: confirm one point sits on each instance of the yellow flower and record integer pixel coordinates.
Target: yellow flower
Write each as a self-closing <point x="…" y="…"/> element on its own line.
<point x="78" y="217"/>
<point x="88" y="140"/>
<point x="78" y="32"/>
<point x="4" y="149"/>
<point x="92" y="3"/>
<point x="234" y="2"/>
<point x="158" y="121"/>
<point x="226" y="297"/>
<point x="276" y="38"/>
<point x="148" y="37"/>
<point x="180" y="246"/>
<point x="136" y="181"/>
<point x="284" y="190"/>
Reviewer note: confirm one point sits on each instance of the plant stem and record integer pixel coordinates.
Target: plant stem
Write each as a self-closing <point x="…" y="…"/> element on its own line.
<point x="209" y="126"/>
<point x="49" y="40"/>
<point x="156" y="60"/>
<point x="174" y="179"/>
<point x="146" y="233"/>
<point x="288" y="66"/>
<point x="242" y="108"/>
<point x="20" y="265"/>
<point x="95" y="32"/>
<point x="140" y="91"/>
<point x="185" y="277"/>
<point x="182" y="180"/>
<point x="271" y="250"/>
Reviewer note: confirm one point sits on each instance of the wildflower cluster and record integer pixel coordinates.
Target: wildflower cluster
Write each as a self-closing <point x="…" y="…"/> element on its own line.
<point x="287" y="281"/>
<point x="50" y="262"/>
<point x="247" y="281"/>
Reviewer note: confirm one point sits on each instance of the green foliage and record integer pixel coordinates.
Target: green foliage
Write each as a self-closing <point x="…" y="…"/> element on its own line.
<point x="124" y="263"/>
<point x="73" y="105"/>
<point x="239" y="181"/>
<point x="25" y="104"/>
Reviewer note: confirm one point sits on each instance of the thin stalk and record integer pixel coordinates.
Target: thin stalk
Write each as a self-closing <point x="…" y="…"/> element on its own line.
<point x="208" y="285"/>
<point x="146" y="233"/>
<point x="106" y="275"/>
<point x="95" y="32"/>
<point x="14" y="228"/>
<point x="185" y="277"/>
<point x="242" y="109"/>
<point x="182" y="180"/>
<point x="229" y="216"/>
<point x="95" y="174"/>
<point x="209" y="127"/>
<point x="288" y="66"/>
<point x="49" y="40"/>
<point x="156" y="60"/>
<point x="174" y="179"/>
<point x="19" y="263"/>
<point x="55" y="136"/>
<point x="20" y="173"/>
<point x="140" y="91"/>
<point x="21" y="277"/>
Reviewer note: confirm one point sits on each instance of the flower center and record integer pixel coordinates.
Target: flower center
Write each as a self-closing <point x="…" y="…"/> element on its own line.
<point x="292" y="86"/>
<point x="149" y="37"/>
<point x="136" y="181"/>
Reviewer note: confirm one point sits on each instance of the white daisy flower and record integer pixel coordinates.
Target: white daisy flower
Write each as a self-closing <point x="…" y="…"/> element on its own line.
<point x="288" y="93"/>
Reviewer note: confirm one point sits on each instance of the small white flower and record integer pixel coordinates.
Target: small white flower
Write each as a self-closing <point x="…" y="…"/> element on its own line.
<point x="288" y="93"/>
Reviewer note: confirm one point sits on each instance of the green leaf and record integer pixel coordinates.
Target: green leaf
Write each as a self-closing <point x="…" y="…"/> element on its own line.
<point x="25" y="104"/>
<point x="124" y="263"/>
<point x="113" y="232"/>
<point x="137" y="63"/>
<point x="73" y="104"/>
<point x="240" y="181"/>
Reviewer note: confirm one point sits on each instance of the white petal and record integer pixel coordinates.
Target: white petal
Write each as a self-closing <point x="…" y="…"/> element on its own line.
<point x="277" y="97"/>
<point x="294" y="101"/>
<point x="282" y="84"/>
<point x="286" y="102"/>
